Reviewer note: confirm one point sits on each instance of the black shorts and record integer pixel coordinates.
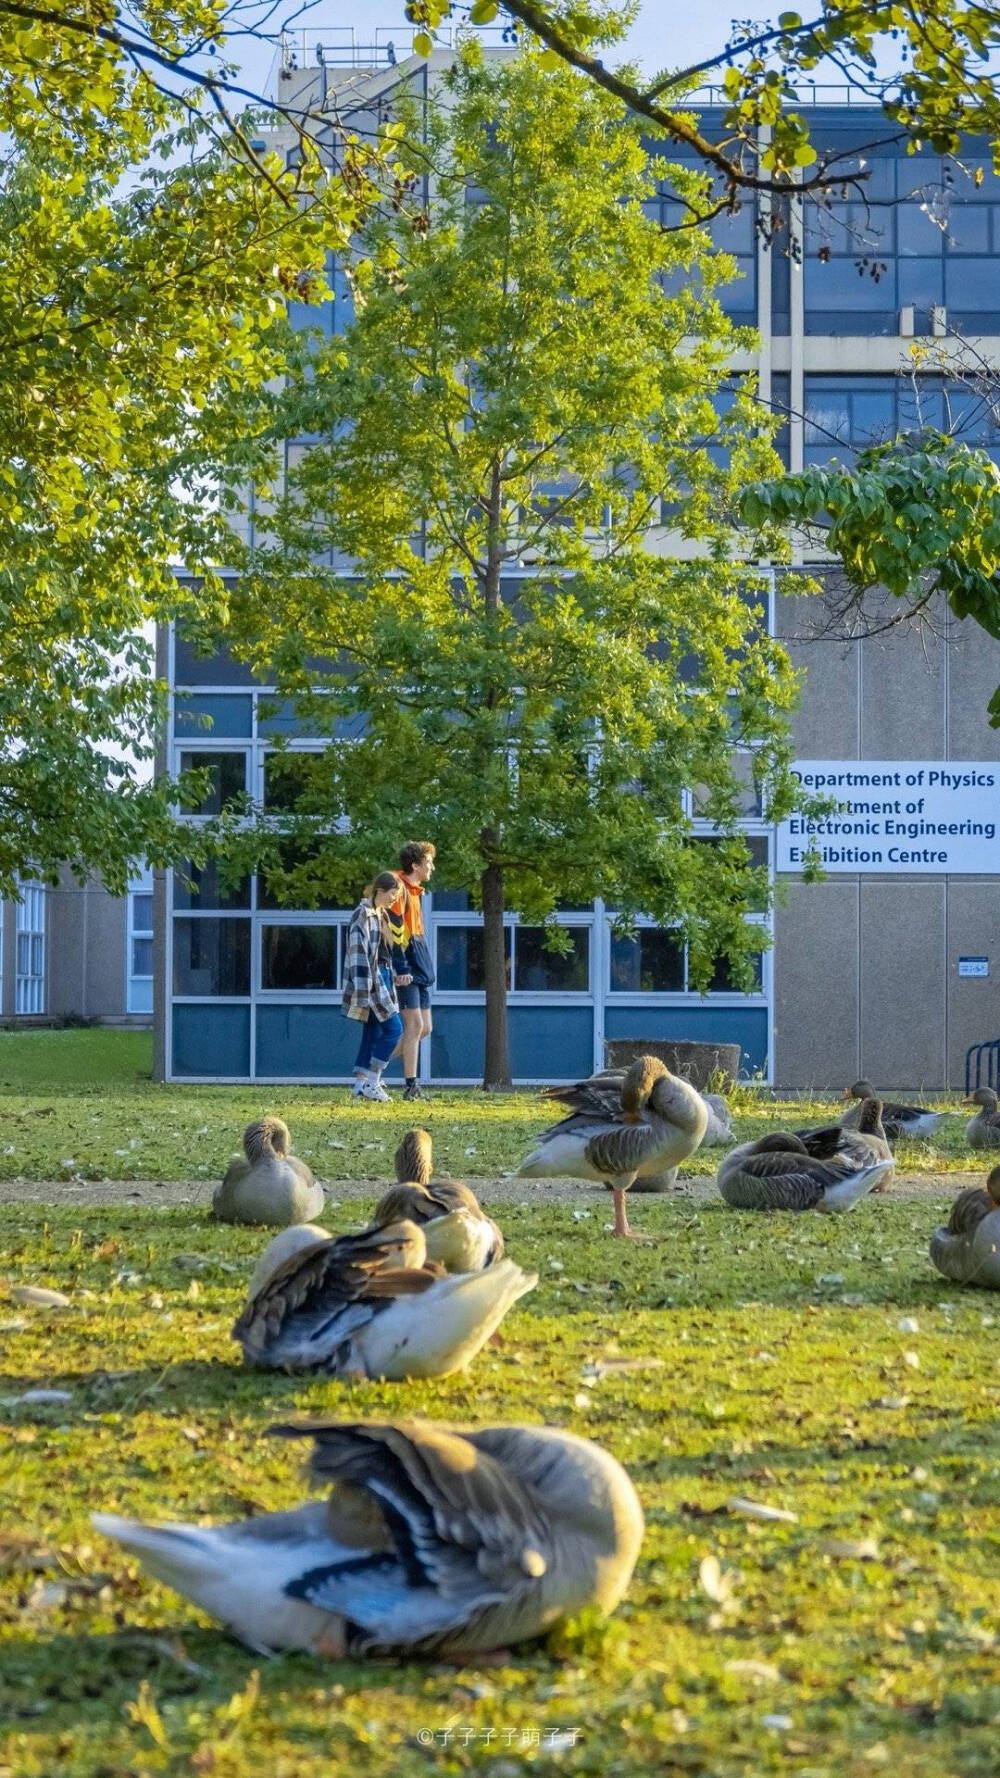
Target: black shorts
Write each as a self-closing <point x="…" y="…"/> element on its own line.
<point x="413" y="997"/>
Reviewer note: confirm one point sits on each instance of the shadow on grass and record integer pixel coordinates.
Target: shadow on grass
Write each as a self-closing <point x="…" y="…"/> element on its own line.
<point x="190" y="1383"/>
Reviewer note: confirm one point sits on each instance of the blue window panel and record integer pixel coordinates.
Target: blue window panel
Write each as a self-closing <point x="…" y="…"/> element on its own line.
<point x="546" y="1043"/>
<point x="745" y="1025"/>
<point x="919" y="234"/>
<point x="968" y="229"/>
<point x="921" y="282"/>
<point x="972" y="285"/>
<point x="303" y="1042"/>
<point x="212" y="1041"/>
<point x="229" y="717"/>
<point x="192" y="668"/>
<point x="317" y="316"/>
<point x="839" y="285"/>
<point x="140" y="994"/>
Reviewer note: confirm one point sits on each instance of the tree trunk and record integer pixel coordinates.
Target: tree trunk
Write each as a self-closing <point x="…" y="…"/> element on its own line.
<point x="496" y="1060"/>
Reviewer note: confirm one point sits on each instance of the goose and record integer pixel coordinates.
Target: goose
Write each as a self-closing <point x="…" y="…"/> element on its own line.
<point x="719" y="1130"/>
<point x="459" y="1234"/>
<point x="270" y="1186"/>
<point x="826" y="1170"/>
<point x="290" y="1241"/>
<point x="657" y="1121"/>
<point x="369" y="1305"/>
<point x="912" y="1121"/>
<point x="429" y="1540"/>
<point x="967" y="1250"/>
<point x="983" y="1130"/>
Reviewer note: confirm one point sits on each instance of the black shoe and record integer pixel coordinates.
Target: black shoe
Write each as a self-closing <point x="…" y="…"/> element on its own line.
<point x="412" y="1091"/>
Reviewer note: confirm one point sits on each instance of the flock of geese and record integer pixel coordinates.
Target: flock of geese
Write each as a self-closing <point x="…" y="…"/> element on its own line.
<point x="435" y="1540"/>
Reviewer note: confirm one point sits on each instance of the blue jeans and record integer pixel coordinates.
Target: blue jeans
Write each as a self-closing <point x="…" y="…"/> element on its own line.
<point x="379" y="1037"/>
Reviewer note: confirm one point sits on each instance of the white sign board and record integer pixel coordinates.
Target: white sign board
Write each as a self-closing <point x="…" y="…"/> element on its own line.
<point x="898" y="817"/>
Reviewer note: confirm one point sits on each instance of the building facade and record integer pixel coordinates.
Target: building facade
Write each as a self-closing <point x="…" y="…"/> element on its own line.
<point x="870" y="969"/>
<point x="75" y="952"/>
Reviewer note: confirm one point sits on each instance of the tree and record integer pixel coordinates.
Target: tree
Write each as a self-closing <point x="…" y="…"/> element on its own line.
<point x="145" y="264"/>
<point x="530" y="372"/>
<point x="931" y="65"/>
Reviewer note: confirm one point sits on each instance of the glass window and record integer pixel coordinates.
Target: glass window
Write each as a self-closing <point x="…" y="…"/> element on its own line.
<point x="142" y="913"/>
<point x="919" y="234"/>
<point x="968" y="229"/>
<point x="211" y="957"/>
<point x="286" y="777"/>
<point x="450" y="901"/>
<point x="203" y="886"/>
<point x="228" y="716"/>
<point x="297" y="957"/>
<point x="921" y="282"/>
<point x="29" y="985"/>
<point x="651" y="962"/>
<point x="142" y="956"/>
<point x="298" y="856"/>
<point x="537" y="970"/>
<point x="227" y="775"/>
<point x="722" y="980"/>
<point x="460" y="957"/>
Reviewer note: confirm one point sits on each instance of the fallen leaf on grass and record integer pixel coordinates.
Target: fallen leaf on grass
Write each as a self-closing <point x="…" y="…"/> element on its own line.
<point x="759" y="1670"/>
<point x="756" y="1509"/>
<point x="33" y="1296"/>
<point x="846" y="1549"/>
<point x="717" y="1582"/>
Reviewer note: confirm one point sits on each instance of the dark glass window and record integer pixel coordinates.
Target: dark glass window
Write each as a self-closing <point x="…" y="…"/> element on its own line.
<point x="286" y="777"/>
<point x="450" y="901"/>
<point x="211" y="957"/>
<point x="206" y="887"/>
<point x="296" y="855"/>
<point x="537" y="970"/>
<point x="228" y="773"/>
<point x="142" y="913"/>
<point x="651" y="962"/>
<point x="142" y="956"/>
<point x="227" y="716"/>
<point x="298" y="957"/>
<point x="722" y="981"/>
<point x="460" y="957"/>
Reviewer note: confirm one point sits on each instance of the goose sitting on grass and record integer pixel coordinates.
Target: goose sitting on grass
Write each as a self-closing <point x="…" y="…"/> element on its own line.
<point x="428" y="1541"/>
<point x="270" y="1187"/>
<point x="370" y="1305"/>
<point x="914" y="1122"/>
<point x="983" y="1130"/>
<point x="459" y="1234"/>
<point x="827" y="1170"/>
<point x="967" y="1250"/>
<point x="657" y="1121"/>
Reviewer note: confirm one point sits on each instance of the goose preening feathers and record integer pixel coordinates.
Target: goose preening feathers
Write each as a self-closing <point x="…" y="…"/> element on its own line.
<point x="428" y="1541"/>
<point x="623" y="1133"/>
<point x="967" y="1250"/>
<point x="983" y="1130"/>
<point x="371" y="1305"/>
<point x="270" y="1187"/>
<point x="914" y="1122"/>
<point x="826" y="1170"/>
<point x="459" y="1234"/>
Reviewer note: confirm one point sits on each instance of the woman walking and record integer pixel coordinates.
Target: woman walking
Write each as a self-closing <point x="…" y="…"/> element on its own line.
<point x="369" y="989"/>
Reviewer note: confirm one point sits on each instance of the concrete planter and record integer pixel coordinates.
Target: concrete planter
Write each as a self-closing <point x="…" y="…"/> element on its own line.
<point x="697" y="1062"/>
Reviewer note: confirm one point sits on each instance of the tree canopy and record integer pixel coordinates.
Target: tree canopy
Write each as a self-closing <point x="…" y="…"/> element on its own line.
<point x="469" y="582"/>
<point x="146" y="258"/>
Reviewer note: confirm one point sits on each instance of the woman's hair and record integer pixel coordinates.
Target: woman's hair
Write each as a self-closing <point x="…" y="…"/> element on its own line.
<point x="414" y="853"/>
<point x="386" y="879"/>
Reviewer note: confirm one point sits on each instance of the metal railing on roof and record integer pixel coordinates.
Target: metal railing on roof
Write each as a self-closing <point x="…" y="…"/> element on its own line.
<point x="340" y="46"/>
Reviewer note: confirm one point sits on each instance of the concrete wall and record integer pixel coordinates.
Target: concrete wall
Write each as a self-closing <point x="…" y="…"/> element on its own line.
<point x="866" y="967"/>
<point x="85" y="954"/>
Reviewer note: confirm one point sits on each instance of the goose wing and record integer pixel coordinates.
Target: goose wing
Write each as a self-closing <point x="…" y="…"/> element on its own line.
<point x="589" y="1102"/>
<point x="316" y="1301"/>
<point x="618" y="1151"/>
<point x="468" y="1536"/>
<point x="778" y="1179"/>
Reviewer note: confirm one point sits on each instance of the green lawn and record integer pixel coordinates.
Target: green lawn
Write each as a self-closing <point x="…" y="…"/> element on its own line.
<point x="859" y="1638"/>
<point x="81" y="1103"/>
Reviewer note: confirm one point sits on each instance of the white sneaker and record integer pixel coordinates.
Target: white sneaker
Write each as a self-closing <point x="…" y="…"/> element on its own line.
<point x="385" y="1097"/>
<point x="370" y="1089"/>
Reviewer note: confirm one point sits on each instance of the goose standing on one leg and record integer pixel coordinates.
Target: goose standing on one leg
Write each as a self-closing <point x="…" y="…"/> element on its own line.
<point x="658" y="1121"/>
<point x="914" y="1122"/>
<point x="271" y="1186"/>
<point x="983" y="1130"/>
<point x="430" y="1541"/>
<point x="459" y="1234"/>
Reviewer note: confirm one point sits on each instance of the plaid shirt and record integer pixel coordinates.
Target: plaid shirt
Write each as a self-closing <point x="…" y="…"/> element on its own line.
<point x="364" y="988"/>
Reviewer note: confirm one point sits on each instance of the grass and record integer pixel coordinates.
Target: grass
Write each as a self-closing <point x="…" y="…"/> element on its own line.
<point x="80" y="1104"/>
<point x="859" y="1638"/>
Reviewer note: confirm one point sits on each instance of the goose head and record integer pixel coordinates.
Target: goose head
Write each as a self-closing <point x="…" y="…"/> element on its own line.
<point x="399" y="1243"/>
<point x="861" y="1089"/>
<point x="993" y="1185"/>
<point x="414" y="1158"/>
<point x="984" y="1096"/>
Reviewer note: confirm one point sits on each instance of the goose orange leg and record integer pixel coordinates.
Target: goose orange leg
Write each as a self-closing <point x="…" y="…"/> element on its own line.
<point x="621" y="1217"/>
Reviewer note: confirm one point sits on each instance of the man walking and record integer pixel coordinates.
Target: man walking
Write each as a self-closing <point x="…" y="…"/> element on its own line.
<point x="411" y="957"/>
